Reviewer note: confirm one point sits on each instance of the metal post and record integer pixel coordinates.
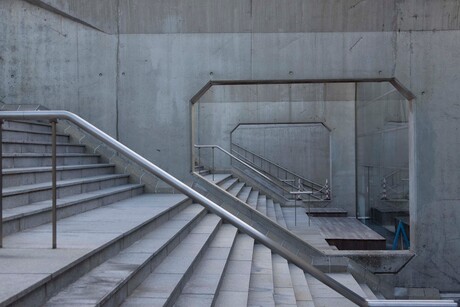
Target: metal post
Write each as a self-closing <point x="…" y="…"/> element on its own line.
<point x="213" y="170"/>
<point x="199" y="157"/>
<point x="1" y="184"/>
<point x="53" y="179"/>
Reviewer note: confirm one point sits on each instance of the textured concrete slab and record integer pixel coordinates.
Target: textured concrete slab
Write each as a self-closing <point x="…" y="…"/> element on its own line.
<point x="194" y="300"/>
<point x="28" y="251"/>
<point x="232" y="298"/>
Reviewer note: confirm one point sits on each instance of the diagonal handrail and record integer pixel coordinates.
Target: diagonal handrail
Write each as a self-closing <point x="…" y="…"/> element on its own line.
<point x="245" y="164"/>
<point x="310" y="182"/>
<point x="298" y="183"/>
<point x="210" y="205"/>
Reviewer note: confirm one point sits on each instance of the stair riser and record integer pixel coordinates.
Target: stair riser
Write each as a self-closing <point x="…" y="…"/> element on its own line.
<point x="17" y="200"/>
<point x="14" y="180"/>
<point x="26" y="126"/>
<point x="177" y="291"/>
<point x="40" y="148"/>
<point x="39" y="296"/>
<point x="115" y="299"/>
<point x="21" y="161"/>
<point x="32" y="137"/>
<point x="44" y="217"/>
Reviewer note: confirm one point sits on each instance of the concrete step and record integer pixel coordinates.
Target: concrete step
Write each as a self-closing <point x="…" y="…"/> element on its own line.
<point x="234" y="290"/>
<point x="252" y="199"/>
<point x="32" y="175"/>
<point x="204" y="172"/>
<point x="325" y="296"/>
<point x="111" y="282"/>
<point x="228" y="183"/>
<point x="217" y="178"/>
<point x="283" y="289"/>
<point x="27" y="126"/>
<point x="33" y="273"/>
<point x="32" y="215"/>
<point x="261" y="287"/>
<point x="31" y="135"/>
<point x="280" y="216"/>
<point x="244" y="194"/>
<point x="204" y="284"/>
<point x="27" y="194"/>
<point x="262" y="204"/>
<point x="301" y="290"/>
<point x="164" y="285"/>
<point x="236" y="188"/>
<point x="39" y="147"/>
<point x="44" y="159"/>
<point x="271" y="214"/>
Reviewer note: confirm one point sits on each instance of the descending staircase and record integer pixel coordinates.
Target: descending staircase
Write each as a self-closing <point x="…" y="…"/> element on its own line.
<point x="118" y="245"/>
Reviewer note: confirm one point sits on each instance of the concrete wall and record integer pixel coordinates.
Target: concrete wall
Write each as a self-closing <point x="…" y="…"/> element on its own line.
<point x="223" y="108"/>
<point x="136" y="84"/>
<point x="382" y="116"/>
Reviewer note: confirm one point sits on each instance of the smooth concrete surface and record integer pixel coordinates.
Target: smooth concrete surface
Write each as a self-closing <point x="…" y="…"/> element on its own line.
<point x="138" y="85"/>
<point x="382" y="145"/>
<point x="326" y="153"/>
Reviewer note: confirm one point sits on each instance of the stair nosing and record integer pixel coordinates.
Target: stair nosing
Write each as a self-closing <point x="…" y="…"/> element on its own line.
<point x="120" y="189"/>
<point x="44" y="169"/>
<point x="61" y="184"/>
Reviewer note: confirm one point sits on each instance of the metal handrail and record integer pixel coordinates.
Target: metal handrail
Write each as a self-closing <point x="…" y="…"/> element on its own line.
<point x="210" y="205"/>
<point x="244" y="163"/>
<point x="287" y="182"/>
<point x="279" y="166"/>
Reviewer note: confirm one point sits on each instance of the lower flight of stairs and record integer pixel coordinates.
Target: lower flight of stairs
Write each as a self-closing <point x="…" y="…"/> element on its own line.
<point x="120" y="246"/>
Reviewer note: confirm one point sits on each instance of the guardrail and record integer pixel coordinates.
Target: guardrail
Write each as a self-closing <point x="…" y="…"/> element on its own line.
<point x="54" y="116"/>
<point x="291" y="179"/>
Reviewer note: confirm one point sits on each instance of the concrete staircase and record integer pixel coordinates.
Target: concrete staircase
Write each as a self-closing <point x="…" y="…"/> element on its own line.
<point x="120" y="246"/>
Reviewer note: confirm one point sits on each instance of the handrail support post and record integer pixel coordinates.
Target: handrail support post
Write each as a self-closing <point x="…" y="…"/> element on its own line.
<point x="213" y="169"/>
<point x="1" y="183"/>
<point x="54" y="179"/>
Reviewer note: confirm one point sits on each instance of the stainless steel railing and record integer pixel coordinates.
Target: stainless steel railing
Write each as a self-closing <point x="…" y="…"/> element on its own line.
<point x="291" y="179"/>
<point x="235" y="158"/>
<point x="213" y="207"/>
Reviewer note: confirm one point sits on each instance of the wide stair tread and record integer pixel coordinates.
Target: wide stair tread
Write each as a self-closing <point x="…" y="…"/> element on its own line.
<point x="166" y="281"/>
<point x="271" y="214"/>
<point x="261" y="287"/>
<point x="109" y="283"/>
<point x="301" y="290"/>
<point x="244" y="194"/>
<point x="234" y="290"/>
<point x="227" y="184"/>
<point x="217" y="178"/>
<point x="62" y="183"/>
<point x="27" y="216"/>
<point x="235" y="189"/>
<point x="325" y="296"/>
<point x="252" y="199"/>
<point x="204" y="284"/>
<point x="283" y="289"/>
<point x="262" y="204"/>
<point x="32" y="175"/>
<point x="33" y="266"/>
<point x="280" y="216"/>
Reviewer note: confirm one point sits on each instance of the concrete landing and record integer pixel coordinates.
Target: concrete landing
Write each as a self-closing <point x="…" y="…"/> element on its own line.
<point x="348" y="233"/>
